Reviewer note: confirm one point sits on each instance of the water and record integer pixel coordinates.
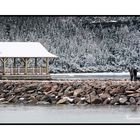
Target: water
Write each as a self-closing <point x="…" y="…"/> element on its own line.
<point x="69" y="114"/>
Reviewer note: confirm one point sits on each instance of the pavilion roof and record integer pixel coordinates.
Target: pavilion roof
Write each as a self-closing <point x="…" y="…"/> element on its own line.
<point x="23" y="49"/>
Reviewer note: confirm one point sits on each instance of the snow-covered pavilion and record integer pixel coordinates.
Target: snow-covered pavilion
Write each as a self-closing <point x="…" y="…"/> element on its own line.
<point x="23" y="51"/>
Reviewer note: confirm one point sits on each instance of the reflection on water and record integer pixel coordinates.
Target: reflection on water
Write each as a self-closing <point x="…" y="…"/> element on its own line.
<point x="69" y="114"/>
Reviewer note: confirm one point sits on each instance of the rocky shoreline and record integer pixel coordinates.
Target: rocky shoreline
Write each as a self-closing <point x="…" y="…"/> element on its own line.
<point x="84" y="92"/>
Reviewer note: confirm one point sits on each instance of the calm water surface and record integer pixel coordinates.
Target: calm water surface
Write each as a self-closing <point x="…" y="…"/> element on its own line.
<point x="69" y="114"/>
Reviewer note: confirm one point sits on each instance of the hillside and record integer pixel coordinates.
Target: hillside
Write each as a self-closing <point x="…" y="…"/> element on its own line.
<point x="83" y="44"/>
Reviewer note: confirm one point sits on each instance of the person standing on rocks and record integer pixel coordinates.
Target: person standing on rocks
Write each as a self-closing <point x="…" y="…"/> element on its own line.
<point x="135" y="73"/>
<point x="131" y="71"/>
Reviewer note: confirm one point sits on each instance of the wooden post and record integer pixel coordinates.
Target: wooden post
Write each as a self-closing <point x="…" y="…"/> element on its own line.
<point x="1" y="65"/>
<point x="14" y="66"/>
<point x="26" y="66"/>
<point x="4" y="62"/>
<point x="40" y="71"/>
<point x="33" y="70"/>
<point x="35" y="65"/>
<point x="47" y="62"/>
<point x="11" y="70"/>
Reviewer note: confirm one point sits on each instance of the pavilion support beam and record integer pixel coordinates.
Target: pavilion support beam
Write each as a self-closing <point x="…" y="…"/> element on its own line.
<point x="47" y="64"/>
<point x="3" y="60"/>
<point x="3" y="68"/>
<point x="35" y="65"/>
<point x="26" y="66"/>
<point x="14" y="66"/>
<point x="4" y="65"/>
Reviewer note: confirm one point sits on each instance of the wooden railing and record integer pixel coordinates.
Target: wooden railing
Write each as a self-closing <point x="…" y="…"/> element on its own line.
<point x="22" y="71"/>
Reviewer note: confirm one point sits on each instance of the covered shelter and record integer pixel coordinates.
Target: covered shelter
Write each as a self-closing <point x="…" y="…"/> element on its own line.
<point x="16" y="56"/>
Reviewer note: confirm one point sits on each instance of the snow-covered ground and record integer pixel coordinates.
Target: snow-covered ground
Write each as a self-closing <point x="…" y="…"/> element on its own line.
<point x="94" y="74"/>
<point x="91" y="75"/>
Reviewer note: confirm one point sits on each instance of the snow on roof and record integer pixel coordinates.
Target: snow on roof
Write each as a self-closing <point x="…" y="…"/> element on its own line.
<point x="23" y="49"/>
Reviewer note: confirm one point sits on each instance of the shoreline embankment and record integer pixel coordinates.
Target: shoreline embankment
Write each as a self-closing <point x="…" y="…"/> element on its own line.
<point x="77" y="92"/>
